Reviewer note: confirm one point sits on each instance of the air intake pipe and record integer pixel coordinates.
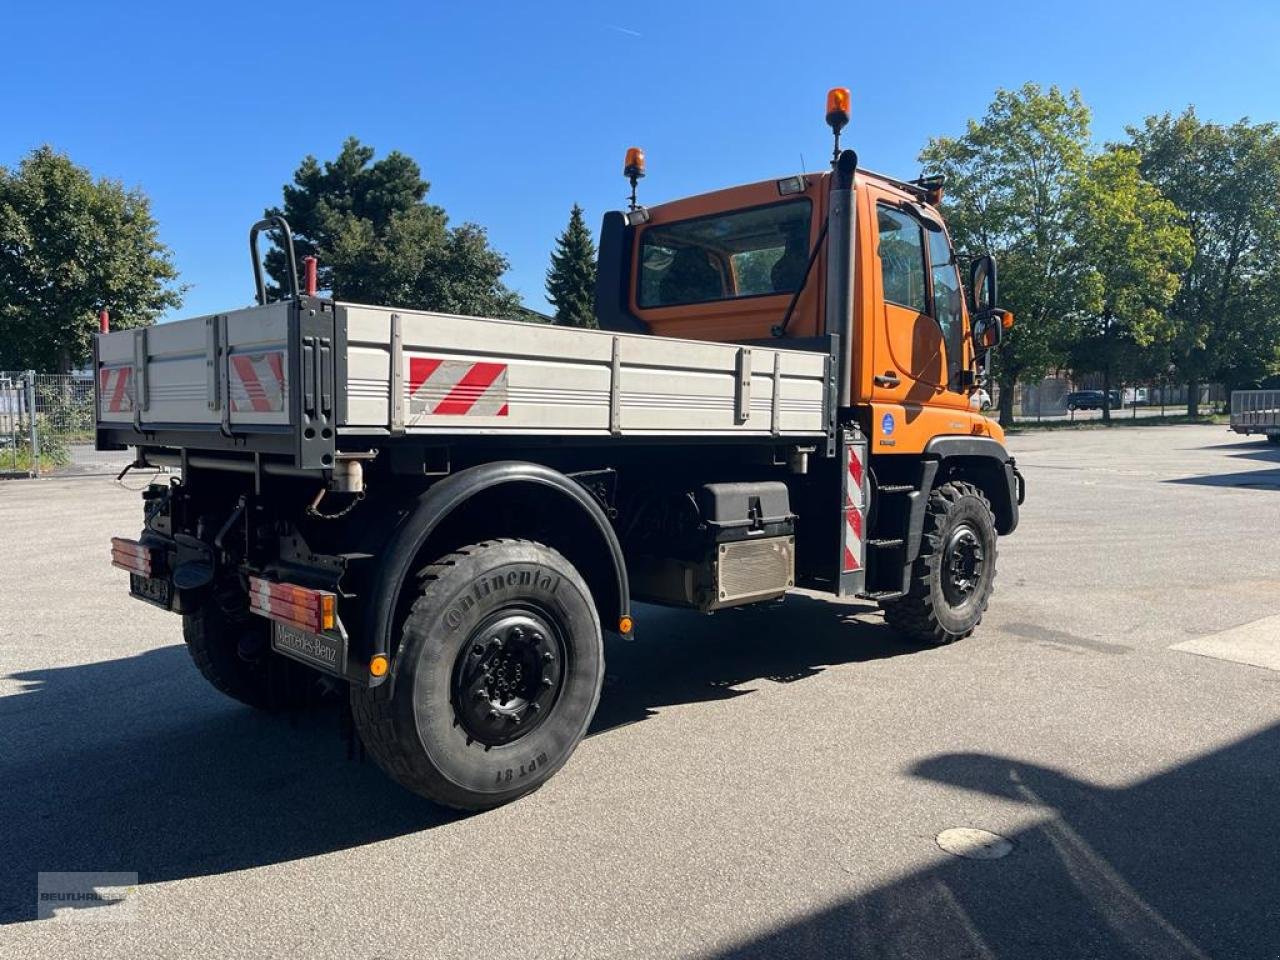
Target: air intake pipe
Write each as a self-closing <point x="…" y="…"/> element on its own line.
<point x="841" y="248"/>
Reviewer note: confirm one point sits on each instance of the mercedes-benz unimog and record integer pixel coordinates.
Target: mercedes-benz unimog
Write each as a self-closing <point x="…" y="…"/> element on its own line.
<point x="445" y="514"/>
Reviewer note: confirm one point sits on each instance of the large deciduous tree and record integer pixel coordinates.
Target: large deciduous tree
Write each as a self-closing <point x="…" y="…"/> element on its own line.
<point x="378" y="240"/>
<point x="70" y="246"/>
<point x="1131" y="245"/>
<point x="1010" y="179"/>
<point x="571" y="279"/>
<point x="1226" y="180"/>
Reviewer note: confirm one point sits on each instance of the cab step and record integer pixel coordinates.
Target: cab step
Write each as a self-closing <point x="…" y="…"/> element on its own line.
<point x="885" y="595"/>
<point x="895" y="488"/>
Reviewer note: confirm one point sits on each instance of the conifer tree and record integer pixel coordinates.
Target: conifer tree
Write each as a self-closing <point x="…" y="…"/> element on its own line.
<point x="571" y="280"/>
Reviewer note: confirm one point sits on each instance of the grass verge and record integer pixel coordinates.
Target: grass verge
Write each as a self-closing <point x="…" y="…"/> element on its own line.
<point x="1023" y="426"/>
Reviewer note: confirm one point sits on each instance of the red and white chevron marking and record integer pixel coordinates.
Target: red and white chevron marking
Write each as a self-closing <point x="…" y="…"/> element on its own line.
<point x="853" y="507"/>
<point x="457" y="388"/>
<point x="114" y="389"/>
<point x="256" y="382"/>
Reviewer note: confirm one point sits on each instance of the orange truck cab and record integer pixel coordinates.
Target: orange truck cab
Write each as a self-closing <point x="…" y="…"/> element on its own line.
<point x="859" y="265"/>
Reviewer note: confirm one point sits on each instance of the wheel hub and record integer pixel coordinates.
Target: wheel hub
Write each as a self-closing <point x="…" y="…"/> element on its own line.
<point x="507" y="676"/>
<point x="963" y="562"/>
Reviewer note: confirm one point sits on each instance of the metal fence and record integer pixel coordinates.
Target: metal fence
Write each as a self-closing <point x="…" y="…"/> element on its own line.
<point x="42" y="417"/>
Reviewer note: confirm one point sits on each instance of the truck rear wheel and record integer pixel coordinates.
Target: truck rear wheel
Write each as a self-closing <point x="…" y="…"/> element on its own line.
<point x="231" y="648"/>
<point x="954" y="574"/>
<point x="496" y="678"/>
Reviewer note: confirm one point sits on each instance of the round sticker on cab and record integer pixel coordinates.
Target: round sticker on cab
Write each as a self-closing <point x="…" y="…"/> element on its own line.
<point x="886" y="425"/>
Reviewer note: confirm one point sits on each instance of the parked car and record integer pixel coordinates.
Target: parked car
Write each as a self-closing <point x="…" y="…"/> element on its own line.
<point x="1091" y="400"/>
<point x="981" y="399"/>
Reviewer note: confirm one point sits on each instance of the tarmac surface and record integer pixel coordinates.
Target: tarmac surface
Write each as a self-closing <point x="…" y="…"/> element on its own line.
<point x="769" y="782"/>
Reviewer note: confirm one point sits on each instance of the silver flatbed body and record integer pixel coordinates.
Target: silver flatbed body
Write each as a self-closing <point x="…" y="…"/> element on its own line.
<point x="351" y="370"/>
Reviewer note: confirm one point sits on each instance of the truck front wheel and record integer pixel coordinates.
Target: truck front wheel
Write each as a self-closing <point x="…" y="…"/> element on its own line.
<point x="496" y="678"/>
<point x="954" y="574"/>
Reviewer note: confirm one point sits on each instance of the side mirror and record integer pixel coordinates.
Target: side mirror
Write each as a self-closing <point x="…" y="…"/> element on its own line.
<point x="988" y="331"/>
<point x="982" y="283"/>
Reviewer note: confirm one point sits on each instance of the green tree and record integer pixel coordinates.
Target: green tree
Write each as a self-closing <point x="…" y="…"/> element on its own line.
<point x="70" y="246"/>
<point x="1010" y="179"/>
<point x="571" y="280"/>
<point x="1225" y="179"/>
<point x="1131" y="245"/>
<point x="377" y="240"/>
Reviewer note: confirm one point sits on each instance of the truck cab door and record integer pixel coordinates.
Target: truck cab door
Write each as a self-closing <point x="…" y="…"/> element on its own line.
<point x="918" y="354"/>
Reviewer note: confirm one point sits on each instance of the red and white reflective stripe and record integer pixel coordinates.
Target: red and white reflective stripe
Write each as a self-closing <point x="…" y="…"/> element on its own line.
<point x="132" y="556"/>
<point x="852" y="539"/>
<point x="301" y="606"/>
<point x="851" y="535"/>
<point x="853" y="482"/>
<point x="457" y="387"/>
<point x="256" y="382"/>
<point x="114" y="391"/>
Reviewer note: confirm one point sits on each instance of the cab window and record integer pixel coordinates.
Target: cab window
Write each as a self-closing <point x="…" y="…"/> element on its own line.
<point x="746" y="253"/>
<point x="902" y="259"/>
<point x="948" y="307"/>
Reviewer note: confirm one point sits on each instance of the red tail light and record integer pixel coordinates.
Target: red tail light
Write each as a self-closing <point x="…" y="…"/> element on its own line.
<point x="132" y="556"/>
<point x="312" y="610"/>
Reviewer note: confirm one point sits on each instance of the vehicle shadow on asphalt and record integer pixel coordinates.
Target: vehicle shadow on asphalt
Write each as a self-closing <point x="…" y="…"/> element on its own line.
<point x="1185" y="864"/>
<point x="683" y="657"/>
<point x="136" y="765"/>
<point x="1244" y="480"/>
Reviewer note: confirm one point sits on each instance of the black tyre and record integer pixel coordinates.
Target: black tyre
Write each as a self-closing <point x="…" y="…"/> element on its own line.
<point x="954" y="575"/>
<point x="496" y="678"/>
<point x="1273" y="438"/>
<point x="231" y="648"/>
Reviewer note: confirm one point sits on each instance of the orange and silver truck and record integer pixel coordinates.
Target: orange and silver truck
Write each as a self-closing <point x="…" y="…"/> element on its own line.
<point x="445" y="514"/>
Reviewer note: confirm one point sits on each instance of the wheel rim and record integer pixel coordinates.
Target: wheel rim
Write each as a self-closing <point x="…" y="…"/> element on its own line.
<point x="508" y="676"/>
<point x="963" y="564"/>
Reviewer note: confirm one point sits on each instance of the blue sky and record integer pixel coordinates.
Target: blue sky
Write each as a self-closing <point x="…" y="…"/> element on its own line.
<point x="517" y="110"/>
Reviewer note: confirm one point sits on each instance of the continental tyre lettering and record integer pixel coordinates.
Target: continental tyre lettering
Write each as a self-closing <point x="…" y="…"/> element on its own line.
<point x="529" y="578"/>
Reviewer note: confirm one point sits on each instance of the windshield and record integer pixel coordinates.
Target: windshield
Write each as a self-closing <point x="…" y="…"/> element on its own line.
<point x="746" y="253"/>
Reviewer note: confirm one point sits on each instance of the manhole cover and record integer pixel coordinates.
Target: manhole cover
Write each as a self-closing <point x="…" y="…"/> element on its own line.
<point x="974" y="844"/>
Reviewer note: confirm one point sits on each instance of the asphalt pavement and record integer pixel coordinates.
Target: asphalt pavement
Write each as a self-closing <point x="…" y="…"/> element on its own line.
<point x="768" y="782"/>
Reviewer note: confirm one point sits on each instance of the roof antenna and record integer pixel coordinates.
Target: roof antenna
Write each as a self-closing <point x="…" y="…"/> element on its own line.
<point x="803" y="169"/>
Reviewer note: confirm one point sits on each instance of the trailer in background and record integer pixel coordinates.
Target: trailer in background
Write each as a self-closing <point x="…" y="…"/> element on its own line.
<point x="1256" y="411"/>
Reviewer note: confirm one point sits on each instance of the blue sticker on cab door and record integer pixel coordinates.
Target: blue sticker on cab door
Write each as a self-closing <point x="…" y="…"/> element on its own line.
<point x="886" y="425"/>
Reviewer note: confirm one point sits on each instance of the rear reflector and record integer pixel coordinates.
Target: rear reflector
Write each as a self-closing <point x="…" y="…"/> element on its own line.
<point x="289" y="603"/>
<point x="132" y="556"/>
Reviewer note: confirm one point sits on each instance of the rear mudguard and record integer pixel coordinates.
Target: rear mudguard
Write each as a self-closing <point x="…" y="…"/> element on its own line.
<point x="400" y="555"/>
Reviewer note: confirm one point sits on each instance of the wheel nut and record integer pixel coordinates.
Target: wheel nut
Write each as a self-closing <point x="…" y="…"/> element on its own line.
<point x="494" y="714"/>
<point x="548" y="657"/>
<point x="546" y="681"/>
<point x="477" y="650"/>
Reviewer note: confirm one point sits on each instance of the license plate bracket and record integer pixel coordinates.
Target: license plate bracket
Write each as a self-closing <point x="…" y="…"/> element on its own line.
<point x="324" y="651"/>
<point x="154" y="590"/>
